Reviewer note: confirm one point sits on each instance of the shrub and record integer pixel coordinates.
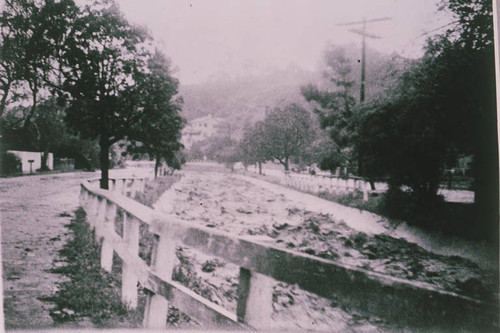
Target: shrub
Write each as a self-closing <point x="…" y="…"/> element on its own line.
<point x="10" y="163"/>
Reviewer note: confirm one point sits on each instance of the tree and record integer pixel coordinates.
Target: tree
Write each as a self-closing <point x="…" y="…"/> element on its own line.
<point x="441" y="108"/>
<point x="160" y="125"/>
<point x="252" y="146"/>
<point x="221" y="149"/>
<point x="339" y="111"/>
<point x="195" y="152"/>
<point x="30" y="32"/>
<point x="47" y="133"/>
<point x="286" y="133"/>
<point x="468" y="47"/>
<point x="48" y="128"/>
<point x="335" y="108"/>
<point x="8" y="78"/>
<point x="103" y="57"/>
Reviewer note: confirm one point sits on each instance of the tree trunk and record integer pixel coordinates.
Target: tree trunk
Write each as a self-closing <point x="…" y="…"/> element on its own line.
<point x="104" y="160"/>
<point x="32" y="111"/>
<point x="3" y="102"/>
<point x="260" y="167"/>
<point x="157" y="166"/>
<point x="45" y="157"/>
<point x="486" y="183"/>
<point x="285" y="164"/>
<point x="423" y="190"/>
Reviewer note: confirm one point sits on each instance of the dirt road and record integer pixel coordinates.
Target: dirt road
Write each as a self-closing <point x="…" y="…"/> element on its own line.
<point x="34" y="210"/>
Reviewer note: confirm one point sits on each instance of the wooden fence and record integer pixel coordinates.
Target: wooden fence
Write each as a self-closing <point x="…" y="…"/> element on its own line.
<point x="402" y="303"/>
<point x="330" y="184"/>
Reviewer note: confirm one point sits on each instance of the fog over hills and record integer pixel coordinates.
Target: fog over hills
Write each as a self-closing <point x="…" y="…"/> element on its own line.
<point x="244" y="100"/>
<point x="247" y="96"/>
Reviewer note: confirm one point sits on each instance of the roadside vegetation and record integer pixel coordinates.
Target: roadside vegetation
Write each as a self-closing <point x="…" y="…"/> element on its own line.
<point x="89" y="292"/>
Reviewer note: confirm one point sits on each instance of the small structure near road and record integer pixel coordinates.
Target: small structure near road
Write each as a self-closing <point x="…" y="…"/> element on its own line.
<point x="35" y="158"/>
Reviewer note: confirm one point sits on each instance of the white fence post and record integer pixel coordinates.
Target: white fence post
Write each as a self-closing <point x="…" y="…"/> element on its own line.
<point x="129" y="278"/>
<point x="129" y="286"/>
<point x="107" y="227"/>
<point x="92" y="209"/>
<point x="123" y="186"/>
<point x="163" y="264"/>
<point x="126" y="188"/>
<point x="366" y="188"/>
<point x="155" y="316"/>
<point x="164" y="256"/>
<point x="100" y="215"/>
<point x="255" y="299"/>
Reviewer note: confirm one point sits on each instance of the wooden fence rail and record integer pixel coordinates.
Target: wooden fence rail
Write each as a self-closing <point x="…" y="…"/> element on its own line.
<point x="399" y="301"/>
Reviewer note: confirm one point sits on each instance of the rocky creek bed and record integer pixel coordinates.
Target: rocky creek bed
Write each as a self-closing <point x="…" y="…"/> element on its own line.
<point x="241" y="208"/>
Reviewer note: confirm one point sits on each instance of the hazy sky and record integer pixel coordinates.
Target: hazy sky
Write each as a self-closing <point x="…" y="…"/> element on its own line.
<point x="251" y="36"/>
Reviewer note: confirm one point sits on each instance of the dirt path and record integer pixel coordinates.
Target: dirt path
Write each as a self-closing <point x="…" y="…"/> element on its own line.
<point x="34" y="210"/>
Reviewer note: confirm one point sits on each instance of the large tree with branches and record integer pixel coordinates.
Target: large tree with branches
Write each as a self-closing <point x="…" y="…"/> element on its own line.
<point x="104" y="56"/>
<point x="157" y="132"/>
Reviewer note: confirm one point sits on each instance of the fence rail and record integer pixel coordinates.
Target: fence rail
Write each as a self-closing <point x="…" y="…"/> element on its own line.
<point x="261" y="265"/>
<point x="329" y="183"/>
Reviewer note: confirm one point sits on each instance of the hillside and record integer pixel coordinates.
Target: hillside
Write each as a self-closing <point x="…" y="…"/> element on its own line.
<point x="243" y="101"/>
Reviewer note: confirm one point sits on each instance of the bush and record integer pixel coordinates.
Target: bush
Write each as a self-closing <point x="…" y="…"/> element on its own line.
<point x="424" y="211"/>
<point x="10" y="163"/>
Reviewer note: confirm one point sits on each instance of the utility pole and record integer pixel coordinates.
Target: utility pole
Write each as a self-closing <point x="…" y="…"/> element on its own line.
<point x="363" y="34"/>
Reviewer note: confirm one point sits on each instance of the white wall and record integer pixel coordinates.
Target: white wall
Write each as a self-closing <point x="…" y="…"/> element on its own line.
<point x="25" y="156"/>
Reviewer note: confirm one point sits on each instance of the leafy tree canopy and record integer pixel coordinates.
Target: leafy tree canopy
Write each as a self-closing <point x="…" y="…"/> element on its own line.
<point x="286" y="133"/>
<point x="158" y="129"/>
<point x="440" y="109"/>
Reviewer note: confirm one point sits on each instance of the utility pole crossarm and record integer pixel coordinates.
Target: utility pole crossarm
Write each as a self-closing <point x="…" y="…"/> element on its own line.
<point x="363" y="33"/>
<point x="364" y="21"/>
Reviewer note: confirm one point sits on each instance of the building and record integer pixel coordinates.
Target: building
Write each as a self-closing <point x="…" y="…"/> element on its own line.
<point x="200" y="129"/>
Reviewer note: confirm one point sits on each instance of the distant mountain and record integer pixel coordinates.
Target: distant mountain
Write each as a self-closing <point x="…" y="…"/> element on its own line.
<point x="243" y="101"/>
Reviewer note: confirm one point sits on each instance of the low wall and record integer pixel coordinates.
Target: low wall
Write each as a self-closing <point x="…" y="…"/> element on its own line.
<point x="36" y="157"/>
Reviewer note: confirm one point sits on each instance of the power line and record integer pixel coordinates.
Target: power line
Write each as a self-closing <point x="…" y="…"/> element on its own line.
<point x="425" y="33"/>
<point x="436" y="29"/>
